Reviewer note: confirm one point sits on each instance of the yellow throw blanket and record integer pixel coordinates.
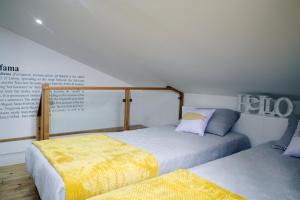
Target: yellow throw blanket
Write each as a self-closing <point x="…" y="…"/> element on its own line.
<point x="178" y="185"/>
<point x="94" y="164"/>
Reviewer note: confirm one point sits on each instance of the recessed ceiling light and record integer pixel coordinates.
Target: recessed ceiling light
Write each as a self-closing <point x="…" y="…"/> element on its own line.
<point x="38" y="21"/>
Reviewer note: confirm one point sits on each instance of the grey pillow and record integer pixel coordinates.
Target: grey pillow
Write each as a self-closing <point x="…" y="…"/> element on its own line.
<point x="285" y="140"/>
<point x="222" y="121"/>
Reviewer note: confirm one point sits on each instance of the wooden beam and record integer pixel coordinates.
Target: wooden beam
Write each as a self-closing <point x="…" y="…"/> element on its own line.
<point x="104" y="130"/>
<point x="38" y="128"/>
<point x="39" y="120"/>
<point x="181" y="102"/>
<point x="17" y="139"/>
<point x="103" y="88"/>
<point x="114" y="129"/>
<point x="174" y="90"/>
<point x="45" y="117"/>
<point x="127" y="110"/>
<point x="41" y="130"/>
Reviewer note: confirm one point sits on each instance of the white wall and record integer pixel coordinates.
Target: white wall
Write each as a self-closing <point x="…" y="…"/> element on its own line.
<point x="101" y="110"/>
<point x="154" y="108"/>
<point x="259" y="129"/>
<point x="210" y="101"/>
<point x="33" y="58"/>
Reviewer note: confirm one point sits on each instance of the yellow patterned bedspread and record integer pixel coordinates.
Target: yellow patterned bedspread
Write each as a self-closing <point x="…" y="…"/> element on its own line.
<point x="94" y="164"/>
<point x="178" y="185"/>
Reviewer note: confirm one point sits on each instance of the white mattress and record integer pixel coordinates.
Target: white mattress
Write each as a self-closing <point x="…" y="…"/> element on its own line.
<point x="172" y="150"/>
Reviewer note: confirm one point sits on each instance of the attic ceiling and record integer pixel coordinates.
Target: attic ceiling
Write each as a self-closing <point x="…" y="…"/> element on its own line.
<point x="205" y="46"/>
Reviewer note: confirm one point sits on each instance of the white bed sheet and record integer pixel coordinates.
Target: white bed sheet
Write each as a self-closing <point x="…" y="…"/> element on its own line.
<point x="260" y="173"/>
<point x="173" y="151"/>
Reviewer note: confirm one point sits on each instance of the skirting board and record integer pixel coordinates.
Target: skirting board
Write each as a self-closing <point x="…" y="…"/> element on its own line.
<point x="12" y="158"/>
<point x="13" y="152"/>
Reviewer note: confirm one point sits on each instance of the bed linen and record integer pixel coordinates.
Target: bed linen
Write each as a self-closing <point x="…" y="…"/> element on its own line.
<point x="172" y="150"/>
<point x="178" y="185"/>
<point x="260" y="173"/>
<point x="94" y="164"/>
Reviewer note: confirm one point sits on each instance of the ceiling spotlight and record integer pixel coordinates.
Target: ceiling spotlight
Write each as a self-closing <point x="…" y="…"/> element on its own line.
<point x="38" y="21"/>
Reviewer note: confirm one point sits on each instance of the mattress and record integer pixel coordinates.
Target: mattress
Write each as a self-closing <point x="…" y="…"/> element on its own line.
<point x="260" y="173"/>
<point x="173" y="151"/>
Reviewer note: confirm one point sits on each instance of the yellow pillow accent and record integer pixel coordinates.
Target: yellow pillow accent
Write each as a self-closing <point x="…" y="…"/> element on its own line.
<point x="94" y="164"/>
<point x="194" y="116"/>
<point x="178" y="185"/>
<point x="298" y="133"/>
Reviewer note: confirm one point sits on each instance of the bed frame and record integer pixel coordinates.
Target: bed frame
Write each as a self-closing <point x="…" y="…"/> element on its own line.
<point x="44" y="107"/>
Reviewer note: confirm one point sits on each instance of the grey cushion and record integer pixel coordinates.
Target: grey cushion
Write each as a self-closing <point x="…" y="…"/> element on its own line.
<point x="222" y="121"/>
<point x="285" y="140"/>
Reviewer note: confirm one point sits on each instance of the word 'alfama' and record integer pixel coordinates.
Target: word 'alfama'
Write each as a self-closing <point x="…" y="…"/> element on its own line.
<point x="265" y="105"/>
<point x="8" y="68"/>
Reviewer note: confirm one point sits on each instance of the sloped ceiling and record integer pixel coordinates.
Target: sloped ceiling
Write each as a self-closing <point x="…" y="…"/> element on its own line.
<point x="206" y="46"/>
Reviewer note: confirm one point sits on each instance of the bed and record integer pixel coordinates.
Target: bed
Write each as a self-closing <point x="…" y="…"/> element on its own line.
<point x="172" y="150"/>
<point x="260" y="173"/>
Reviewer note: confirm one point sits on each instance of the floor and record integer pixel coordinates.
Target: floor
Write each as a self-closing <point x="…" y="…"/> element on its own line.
<point x="16" y="184"/>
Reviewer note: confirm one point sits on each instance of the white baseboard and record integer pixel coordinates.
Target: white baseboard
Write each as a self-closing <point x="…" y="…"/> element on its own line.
<point x="12" y="153"/>
<point x="12" y="158"/>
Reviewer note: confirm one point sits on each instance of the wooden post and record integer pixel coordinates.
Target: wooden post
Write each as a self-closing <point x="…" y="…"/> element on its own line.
<point x="127" y="110"/>
<point x="38" y="128"/>
<point x="181" y="99"/>
<point x="39" y="120"/>
<point x="181" y="102"/>
<point x="45" y="115"/>
<point x="41" y="132"/>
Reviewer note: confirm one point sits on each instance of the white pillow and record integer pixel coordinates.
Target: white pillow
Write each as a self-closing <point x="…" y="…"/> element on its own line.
<point x="195" y="120"/>
<point x="294" y="147"/>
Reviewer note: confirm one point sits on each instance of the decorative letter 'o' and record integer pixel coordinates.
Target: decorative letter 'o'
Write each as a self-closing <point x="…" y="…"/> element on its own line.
<point x="289" y="109"/>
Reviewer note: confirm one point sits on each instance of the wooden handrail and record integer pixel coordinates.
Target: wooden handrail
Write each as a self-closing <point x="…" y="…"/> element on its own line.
<point x="17" y="139"/>
<point x="174" y="89"/>
<point x="114" y="129"/>
<point x="108" y="88"/>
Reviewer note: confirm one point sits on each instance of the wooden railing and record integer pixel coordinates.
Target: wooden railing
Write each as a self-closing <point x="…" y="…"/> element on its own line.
<point x="43" y="114"/>
<point x="102" y="130"/>
<point x="44" y="108"/>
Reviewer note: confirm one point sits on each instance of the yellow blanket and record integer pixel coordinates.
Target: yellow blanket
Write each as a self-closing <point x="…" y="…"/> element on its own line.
<point x="178" y="185"/>
<point x="93" y="164"/>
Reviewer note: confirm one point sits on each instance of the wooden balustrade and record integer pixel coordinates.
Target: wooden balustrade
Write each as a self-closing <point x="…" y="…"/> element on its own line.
<point x="43" y="115"/>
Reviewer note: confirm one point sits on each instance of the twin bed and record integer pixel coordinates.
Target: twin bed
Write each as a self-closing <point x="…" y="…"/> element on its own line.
<point x="260" y="173"/>
<point x="172" y="150"/>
